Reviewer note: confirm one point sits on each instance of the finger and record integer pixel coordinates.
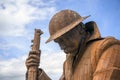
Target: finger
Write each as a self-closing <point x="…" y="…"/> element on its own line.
<point x="32" y="61"/>
<point x="34" y="52"/>
<point x="32" y="64"/>
<point x="34" y="57"/>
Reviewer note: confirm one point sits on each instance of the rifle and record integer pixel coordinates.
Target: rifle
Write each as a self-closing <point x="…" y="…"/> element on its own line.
<point x="32" y="71"/>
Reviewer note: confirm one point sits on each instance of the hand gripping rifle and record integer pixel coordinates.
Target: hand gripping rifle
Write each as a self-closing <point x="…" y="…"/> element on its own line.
<point x="32" y="71"/>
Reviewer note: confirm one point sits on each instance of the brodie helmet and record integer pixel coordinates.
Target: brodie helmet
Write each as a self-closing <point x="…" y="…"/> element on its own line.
<point x="63" y="22"/>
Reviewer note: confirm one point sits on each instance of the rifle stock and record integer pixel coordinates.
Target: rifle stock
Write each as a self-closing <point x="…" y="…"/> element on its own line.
<point x="32" y="71"/>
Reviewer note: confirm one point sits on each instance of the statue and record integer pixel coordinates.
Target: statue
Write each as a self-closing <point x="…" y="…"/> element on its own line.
<point x="88" y="55"/>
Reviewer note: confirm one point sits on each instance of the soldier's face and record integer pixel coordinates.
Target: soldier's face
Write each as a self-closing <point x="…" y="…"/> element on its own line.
<point x="69" y="42"/>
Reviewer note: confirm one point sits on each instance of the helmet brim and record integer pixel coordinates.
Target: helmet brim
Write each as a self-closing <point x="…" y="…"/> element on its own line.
<point x="66" y="29"/>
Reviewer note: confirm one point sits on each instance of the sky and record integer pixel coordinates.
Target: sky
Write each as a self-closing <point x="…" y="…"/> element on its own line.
<point x="19" y="18"/>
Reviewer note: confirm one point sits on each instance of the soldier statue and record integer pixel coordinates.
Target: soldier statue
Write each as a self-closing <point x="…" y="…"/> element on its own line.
<point x="88" y="55"/>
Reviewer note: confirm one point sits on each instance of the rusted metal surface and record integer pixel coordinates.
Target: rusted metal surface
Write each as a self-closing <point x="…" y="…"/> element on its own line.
<point x="91" y="58"/>
<point x="63" y="22"/>
<point x="100" y="60"/>
<point x="33" y="70"/>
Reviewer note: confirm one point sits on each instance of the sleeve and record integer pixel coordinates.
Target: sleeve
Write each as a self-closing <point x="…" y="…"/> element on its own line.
<point x="108" y="67"/>
<point x="62" y="77"/>
<point x="42" y="75"/>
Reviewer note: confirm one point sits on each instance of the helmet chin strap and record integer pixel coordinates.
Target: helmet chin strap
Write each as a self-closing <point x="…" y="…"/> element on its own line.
<point x="73" y="59"/>
<point x="81" y="43"/>
<point x="79" y="53"/>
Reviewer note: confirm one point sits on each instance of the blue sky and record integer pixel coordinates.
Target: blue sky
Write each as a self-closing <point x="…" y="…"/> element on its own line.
<point x="19" y="18"/>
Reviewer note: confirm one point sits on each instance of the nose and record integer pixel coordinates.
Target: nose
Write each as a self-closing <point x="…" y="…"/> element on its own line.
<point x="62" y="46"/>
<point x="61" y="43"/>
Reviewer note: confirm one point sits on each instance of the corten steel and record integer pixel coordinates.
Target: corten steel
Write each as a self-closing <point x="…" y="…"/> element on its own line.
<point x="63" y="22"/>
<point x="33" y="70"/>
<point x="100" y="58"/>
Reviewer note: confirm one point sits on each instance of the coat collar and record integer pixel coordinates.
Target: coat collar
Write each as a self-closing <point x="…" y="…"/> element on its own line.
<point x="93" y="30"/>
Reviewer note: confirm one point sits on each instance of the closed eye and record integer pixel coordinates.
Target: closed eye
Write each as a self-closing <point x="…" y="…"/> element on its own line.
<point x="59" y="40"/>
<point x="56" y="40"/>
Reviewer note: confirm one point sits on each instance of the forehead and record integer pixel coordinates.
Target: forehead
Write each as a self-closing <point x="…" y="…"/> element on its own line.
<point x="68" y="34"/>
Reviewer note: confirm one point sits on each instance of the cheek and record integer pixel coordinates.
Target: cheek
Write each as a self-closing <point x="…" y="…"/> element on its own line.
<point x="75" y="42"/>
<point x="72" y="44"/>
<point x="75" y="45"/>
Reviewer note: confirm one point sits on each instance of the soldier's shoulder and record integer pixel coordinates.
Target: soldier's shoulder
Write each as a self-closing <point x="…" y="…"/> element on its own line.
<point x="109" y="41"/>
<point x="101" y="45"/>
<point x="105" y="43"/>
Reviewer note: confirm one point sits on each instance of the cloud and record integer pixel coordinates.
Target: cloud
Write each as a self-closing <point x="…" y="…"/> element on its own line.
<point x="14" y="69"/>
<point x="9" y="45"/>
<point x="15" y="14"/>
<point x="52" y="63"/>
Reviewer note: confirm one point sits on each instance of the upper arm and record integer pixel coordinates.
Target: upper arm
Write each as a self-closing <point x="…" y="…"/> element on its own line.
<point x="108" y="67"/>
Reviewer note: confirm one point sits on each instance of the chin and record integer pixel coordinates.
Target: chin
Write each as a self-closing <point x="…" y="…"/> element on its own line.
<point x="68" y="52"/>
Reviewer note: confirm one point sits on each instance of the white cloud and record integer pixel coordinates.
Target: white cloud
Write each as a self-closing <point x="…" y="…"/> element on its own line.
<point x="14" y="68"/>
<point x="52" y="63"/>
<point x="9" y="45"/>
<point x="15" y="14"/>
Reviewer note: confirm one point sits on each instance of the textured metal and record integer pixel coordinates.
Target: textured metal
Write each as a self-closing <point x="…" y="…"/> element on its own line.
<point x="62" y="22"/>
<point x="32" y="71"/>
<point x="100" y="59"/>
